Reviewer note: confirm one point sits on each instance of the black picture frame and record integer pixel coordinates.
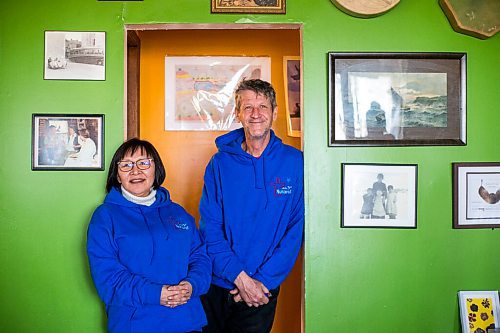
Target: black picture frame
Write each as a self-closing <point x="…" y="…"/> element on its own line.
<point x="54" y="147"/>
<point x="379" y="195"/>
<point x="476" y="195"/>
<point x="397" y="99"/>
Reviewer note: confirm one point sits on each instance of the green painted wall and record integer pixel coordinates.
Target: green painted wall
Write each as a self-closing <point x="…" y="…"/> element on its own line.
<point x="356" y="280"/>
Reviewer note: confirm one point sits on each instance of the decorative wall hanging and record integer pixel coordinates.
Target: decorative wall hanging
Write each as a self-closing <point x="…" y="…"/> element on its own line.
<point x="480" y="19"/>
<point x="397" y="99"/>
<point x="476" y="195"/>
<point x="199" y="90"/>
<point x="379" y="195"/>
<point x="365" y="8"/>
<point x="292" y="73"/>
<point x="249" y="6"/>
<point x="75" y="55"/>
<point x="479" y="311"/>
<point x="67" y="142"/>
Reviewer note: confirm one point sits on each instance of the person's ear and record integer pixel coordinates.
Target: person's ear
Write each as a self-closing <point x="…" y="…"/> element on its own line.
<point x="118" y="178"/>
<point x="275" y="113"/>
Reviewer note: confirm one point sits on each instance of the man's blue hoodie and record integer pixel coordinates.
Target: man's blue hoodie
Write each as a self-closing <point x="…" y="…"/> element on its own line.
<point x="252" y="211"/>
<point x="134" y="250"/>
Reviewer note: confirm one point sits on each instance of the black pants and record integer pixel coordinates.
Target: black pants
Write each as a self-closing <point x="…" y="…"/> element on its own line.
<point x="224" y="315"/>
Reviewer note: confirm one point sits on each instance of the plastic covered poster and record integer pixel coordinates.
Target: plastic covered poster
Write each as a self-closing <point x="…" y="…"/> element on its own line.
<point x="199" y="90"/>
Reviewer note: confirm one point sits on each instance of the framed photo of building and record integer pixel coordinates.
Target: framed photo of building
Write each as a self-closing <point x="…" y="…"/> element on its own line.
<point x="75" y="55"/>
<point x="292" y="76"/>
<point x="249" y="6"/>
<point x="479" y="311"/>
<point x="379" y="195"/>
<point x="397" y="99"/>
<point x="199" y="90"/>
<point x="67" y="142"/>
<point x="476" y="195"/>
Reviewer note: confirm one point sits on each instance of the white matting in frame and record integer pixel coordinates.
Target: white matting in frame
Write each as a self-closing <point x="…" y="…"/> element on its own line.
<point x="476" y="195"/>
<point x="379" y="195"/>
<point x="199" y="90"/>
<point x="479" y="310"/>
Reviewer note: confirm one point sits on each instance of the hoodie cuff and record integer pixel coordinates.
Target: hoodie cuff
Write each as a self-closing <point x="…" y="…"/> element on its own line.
<point x="194" y="291"/>
<point x="233" y="269"/>
<point x="152" y="293"/>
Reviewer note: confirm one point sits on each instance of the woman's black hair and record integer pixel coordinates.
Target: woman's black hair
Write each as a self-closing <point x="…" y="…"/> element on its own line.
<point x="130" y="147"/>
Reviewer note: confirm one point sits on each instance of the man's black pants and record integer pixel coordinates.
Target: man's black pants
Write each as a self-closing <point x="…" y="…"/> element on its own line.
<point x="224" y="315"/>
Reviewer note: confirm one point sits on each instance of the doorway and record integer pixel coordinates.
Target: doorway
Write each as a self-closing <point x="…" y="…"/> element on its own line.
<point x="186" y="153"/>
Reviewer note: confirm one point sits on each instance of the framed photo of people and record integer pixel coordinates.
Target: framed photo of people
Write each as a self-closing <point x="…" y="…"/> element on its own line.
<point x="379" y="195"/>
<point x="67" y="142"/>
<point x="397" y="99"/>
<point x="476" y="195"/>
<point x="75" y="55"/>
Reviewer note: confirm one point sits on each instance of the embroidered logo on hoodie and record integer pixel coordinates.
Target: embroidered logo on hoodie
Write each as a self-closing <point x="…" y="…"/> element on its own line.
<point x="282" y="186"/>
<point x="179" y="224"/>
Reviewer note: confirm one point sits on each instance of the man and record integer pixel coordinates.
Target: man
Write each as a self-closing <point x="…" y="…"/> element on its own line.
<point x="252" y="215"/>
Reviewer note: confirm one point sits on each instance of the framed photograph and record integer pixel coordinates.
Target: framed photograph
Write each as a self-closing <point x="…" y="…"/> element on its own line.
<point x="397" y="99"/>
<point x="292" y="73"/>
<point x="379" y="195"/>
<point x="67" y="142"/>
<point x="476" y="195"/>
<point x="249" y="6"/>
<point x="199" y="90"/>
<point x="479" y="311"/>
<point x="75" y="55"/>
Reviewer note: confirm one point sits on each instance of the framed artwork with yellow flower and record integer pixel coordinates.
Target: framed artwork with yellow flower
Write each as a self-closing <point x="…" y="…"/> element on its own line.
<point x="479" y="311"/>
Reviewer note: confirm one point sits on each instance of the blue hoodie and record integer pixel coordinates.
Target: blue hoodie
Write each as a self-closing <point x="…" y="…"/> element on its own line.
<point x="134" y="250"/>
<point x="252" y="211"/>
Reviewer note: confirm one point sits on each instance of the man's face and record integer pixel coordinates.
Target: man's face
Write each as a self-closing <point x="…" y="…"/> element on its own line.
<point x="255" y="114"/>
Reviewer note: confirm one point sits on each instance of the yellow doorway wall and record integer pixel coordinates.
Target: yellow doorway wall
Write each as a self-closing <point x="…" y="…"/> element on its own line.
<point x="186" y="153"/>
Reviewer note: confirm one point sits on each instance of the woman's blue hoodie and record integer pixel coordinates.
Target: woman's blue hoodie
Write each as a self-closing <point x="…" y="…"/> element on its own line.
<point x="134" y="250"/>
<point x="252" y="210"/>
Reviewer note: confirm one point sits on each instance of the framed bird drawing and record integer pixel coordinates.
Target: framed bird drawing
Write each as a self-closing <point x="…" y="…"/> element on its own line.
<point x="476" y="195"/>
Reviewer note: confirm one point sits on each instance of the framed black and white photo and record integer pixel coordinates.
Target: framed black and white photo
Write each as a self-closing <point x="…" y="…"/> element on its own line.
<point x="476" y="195"/>
<point x="379" y="195"/>
<point x="397" y="99"/>
<point x="67" y="142"/>
<point x="75" y="55"/>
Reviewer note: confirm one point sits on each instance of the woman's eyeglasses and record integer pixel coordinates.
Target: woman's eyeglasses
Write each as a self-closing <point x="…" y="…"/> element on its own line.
<point x="142" y="164"/>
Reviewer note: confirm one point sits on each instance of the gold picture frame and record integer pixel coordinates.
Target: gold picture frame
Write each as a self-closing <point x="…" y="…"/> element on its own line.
<point x="249" y="6"/>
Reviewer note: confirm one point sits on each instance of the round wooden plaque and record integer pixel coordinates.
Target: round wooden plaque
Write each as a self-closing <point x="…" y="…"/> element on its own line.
<point x="365" y="8"/>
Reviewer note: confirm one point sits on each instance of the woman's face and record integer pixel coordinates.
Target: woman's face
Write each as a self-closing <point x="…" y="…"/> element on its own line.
<point x="137" y="181"/>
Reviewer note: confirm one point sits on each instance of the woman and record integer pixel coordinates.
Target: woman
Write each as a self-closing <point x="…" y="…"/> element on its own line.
<point x="85" y="156"/>
<point x="146" y="257"/>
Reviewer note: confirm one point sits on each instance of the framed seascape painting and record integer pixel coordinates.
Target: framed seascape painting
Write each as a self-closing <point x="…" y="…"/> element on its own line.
<point x="75" y="55"/>
<point x="479" y="311"/>
<point x="397" y="99"/>
<point x="67" y="142"/>
<point x="379" y="195"/>
<point x="291" y="70"/>
<point x="476" y="195"/>
<point x="249" y="6"/>
<point x="199" y="90"/>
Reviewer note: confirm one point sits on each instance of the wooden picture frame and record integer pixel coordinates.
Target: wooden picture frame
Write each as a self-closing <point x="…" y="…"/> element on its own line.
<point x="293" y="97"/>
<point x="379" y="195"/>
<point x="476" y="195"/>
<point x="249" y="6"/>
<point x="67" y="142"/>
<point x="397" y="99"/>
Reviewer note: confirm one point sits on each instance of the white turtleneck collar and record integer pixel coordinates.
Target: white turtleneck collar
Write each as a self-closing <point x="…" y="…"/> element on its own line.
<point x="145" y="201"/>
